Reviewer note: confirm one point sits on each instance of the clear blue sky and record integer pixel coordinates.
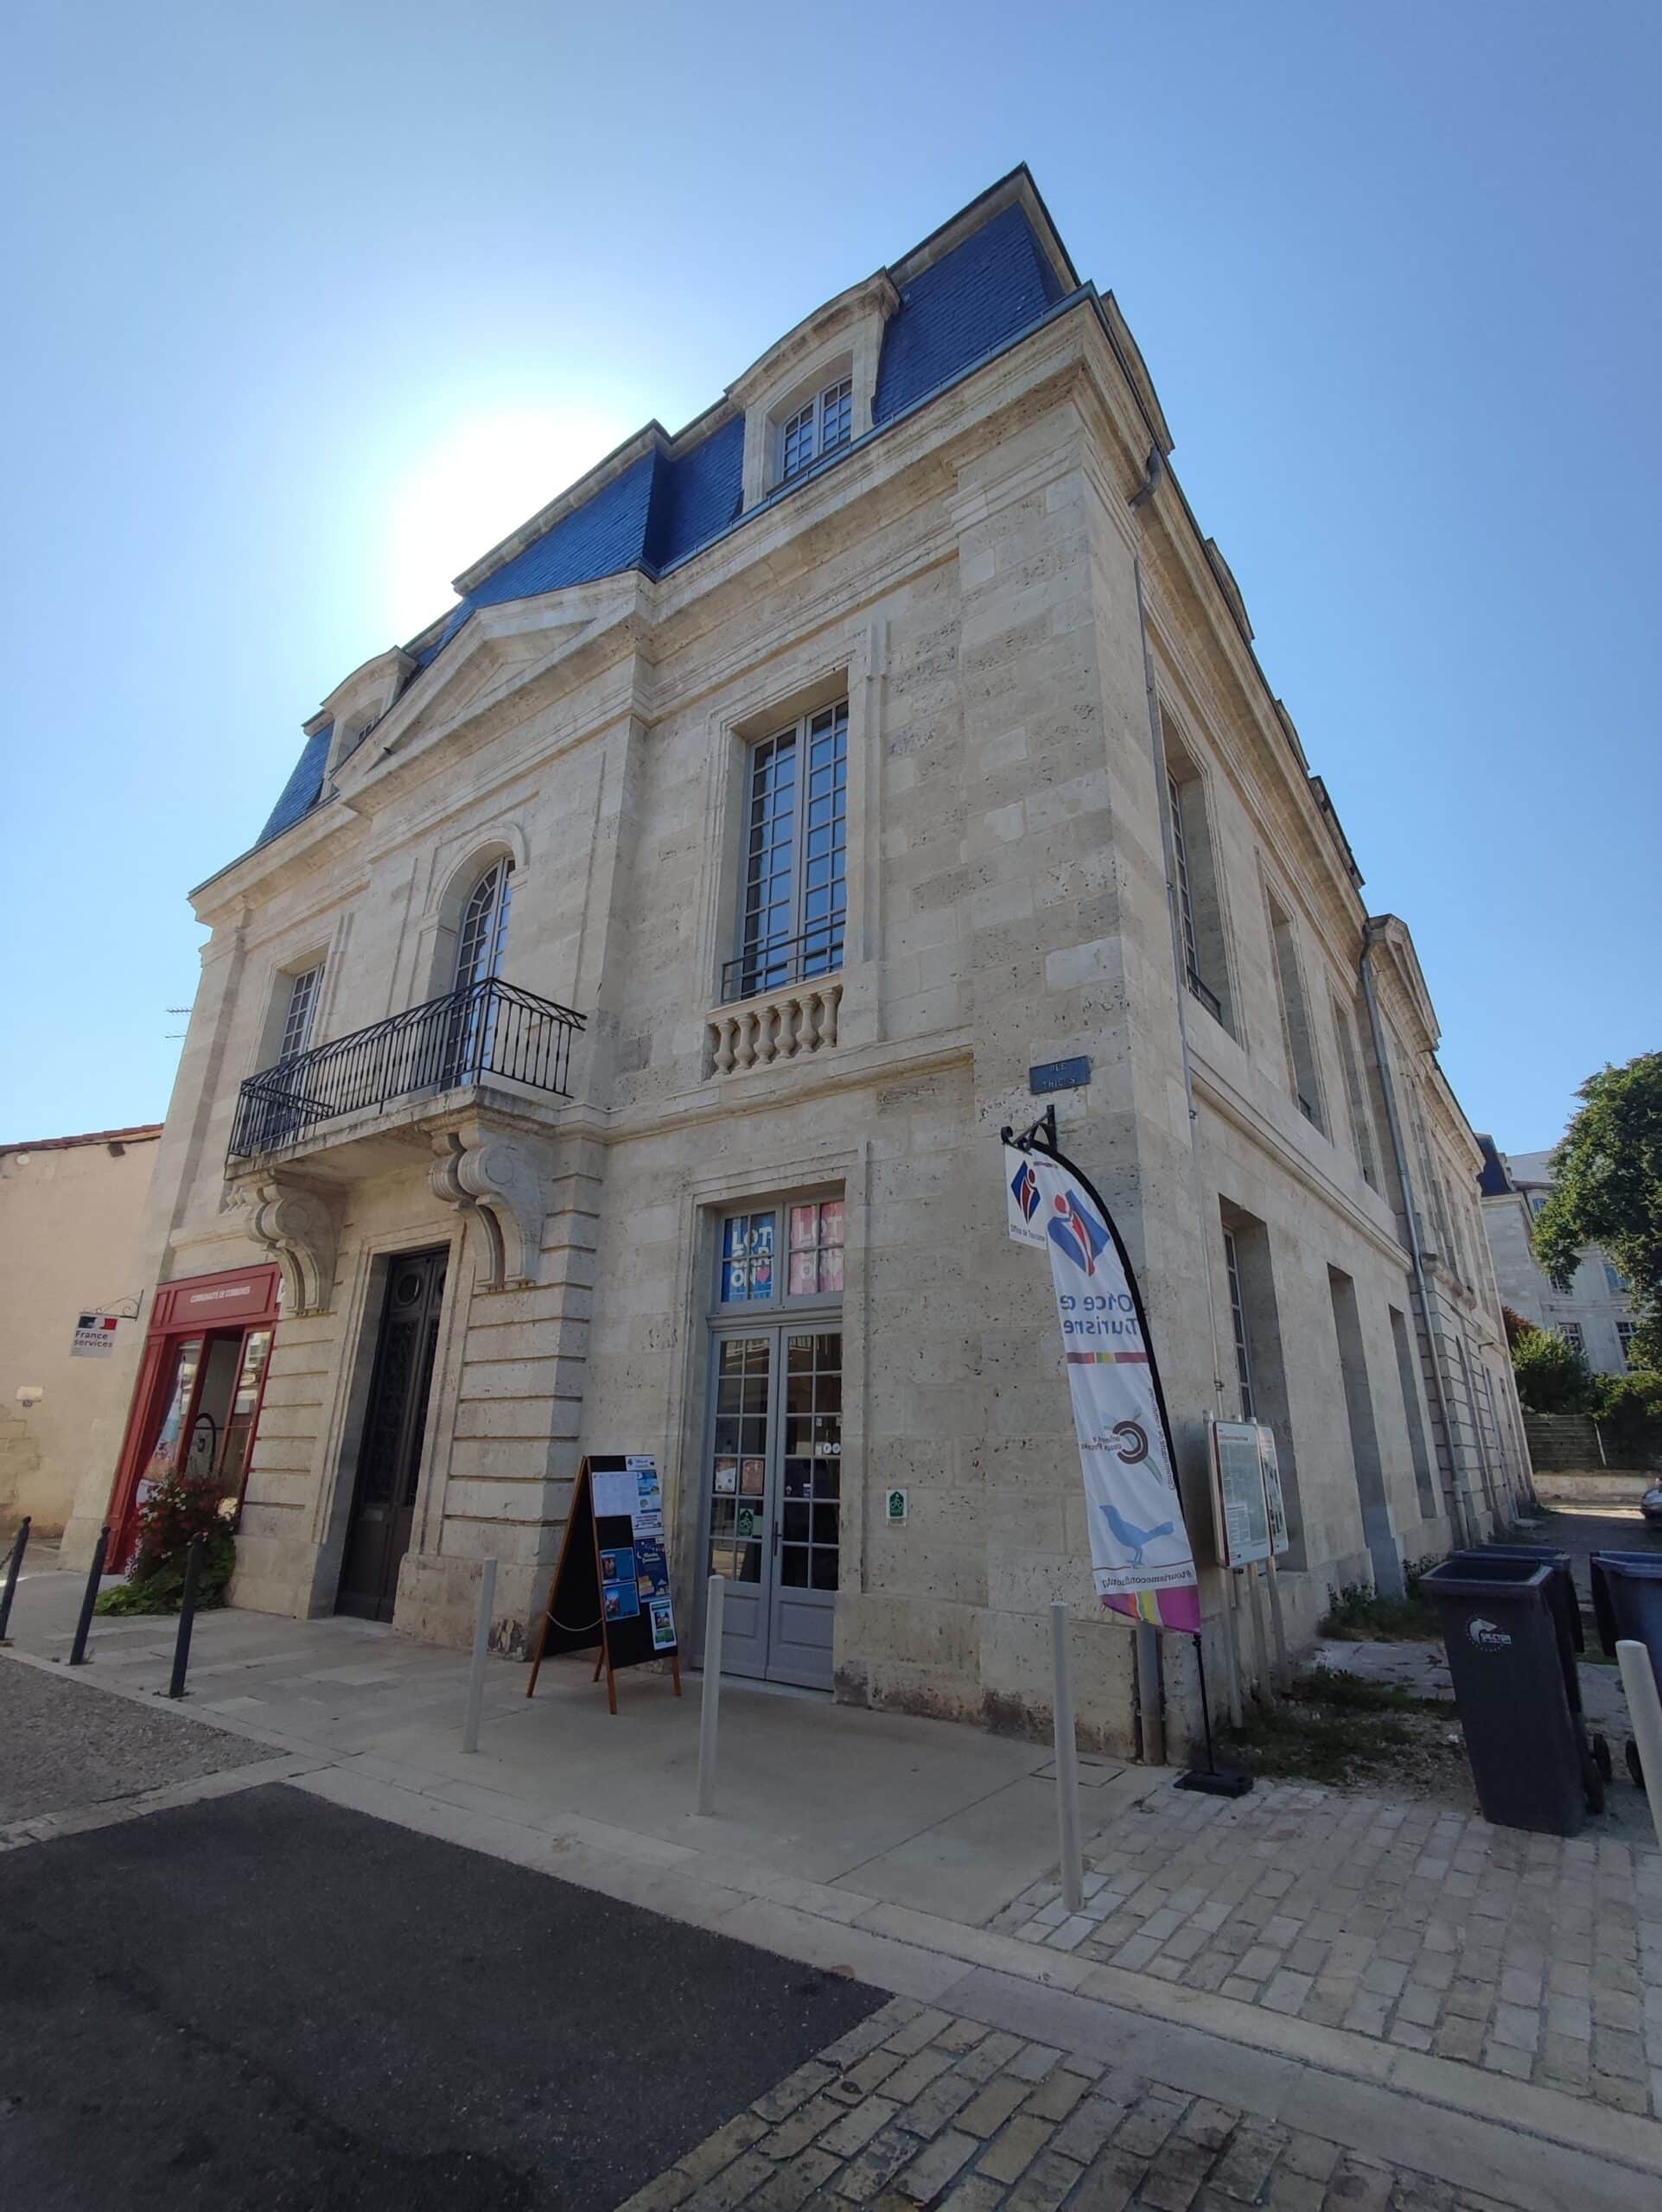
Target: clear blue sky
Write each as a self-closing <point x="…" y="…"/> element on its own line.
<point x="308" y="305"/>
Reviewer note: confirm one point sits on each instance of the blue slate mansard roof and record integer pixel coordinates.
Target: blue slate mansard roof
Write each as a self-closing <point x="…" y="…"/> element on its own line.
<point x="981" y="294"/>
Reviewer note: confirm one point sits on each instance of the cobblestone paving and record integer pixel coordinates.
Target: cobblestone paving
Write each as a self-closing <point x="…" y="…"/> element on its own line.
<point x="915" y="2108"/>
<point x="1531" y="1955"/>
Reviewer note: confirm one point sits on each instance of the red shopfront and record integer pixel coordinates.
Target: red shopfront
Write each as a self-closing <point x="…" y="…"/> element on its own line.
<point x="196" y="1406"/>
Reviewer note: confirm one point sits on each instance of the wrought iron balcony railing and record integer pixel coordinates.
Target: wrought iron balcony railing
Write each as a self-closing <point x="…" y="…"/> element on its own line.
<point x="487" y="1029"/>
<point x="1207" y="996"/>
<point x="818" y="951"/>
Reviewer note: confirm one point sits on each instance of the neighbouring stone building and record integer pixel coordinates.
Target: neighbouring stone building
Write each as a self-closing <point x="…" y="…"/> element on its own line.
<point x="607" y="1040"/>
<point x="1597" y="1312"/>
<point x="72" y="1222"/>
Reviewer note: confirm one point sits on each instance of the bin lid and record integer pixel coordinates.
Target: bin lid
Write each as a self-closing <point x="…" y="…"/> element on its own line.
<point x="1646" y="1566"/>
<point x="1501" y="1574"/>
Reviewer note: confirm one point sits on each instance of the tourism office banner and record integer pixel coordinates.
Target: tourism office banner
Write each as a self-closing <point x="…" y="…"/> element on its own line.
<point x="1141" y="1560"/>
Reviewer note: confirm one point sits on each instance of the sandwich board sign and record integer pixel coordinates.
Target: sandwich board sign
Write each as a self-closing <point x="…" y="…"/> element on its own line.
<point x="611" y="1587"/>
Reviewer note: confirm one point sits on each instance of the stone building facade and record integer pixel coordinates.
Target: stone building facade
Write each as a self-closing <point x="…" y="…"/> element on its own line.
<point x="891" y="730"/>
<point x="1597" y="1311"/>
<point x="72" y="1225"/>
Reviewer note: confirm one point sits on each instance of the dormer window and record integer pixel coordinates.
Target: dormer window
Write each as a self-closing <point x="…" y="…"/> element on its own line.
<point x="826" y="423"/>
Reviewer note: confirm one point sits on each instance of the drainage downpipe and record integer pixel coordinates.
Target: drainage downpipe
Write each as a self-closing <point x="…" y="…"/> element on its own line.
<point x="1459" y="1515"/>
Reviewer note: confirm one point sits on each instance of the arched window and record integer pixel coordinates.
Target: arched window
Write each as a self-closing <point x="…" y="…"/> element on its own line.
<point x="482" y="936"/>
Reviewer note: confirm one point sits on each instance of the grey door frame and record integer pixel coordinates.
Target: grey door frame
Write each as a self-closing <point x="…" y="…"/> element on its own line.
<point x="777" y="1317"/>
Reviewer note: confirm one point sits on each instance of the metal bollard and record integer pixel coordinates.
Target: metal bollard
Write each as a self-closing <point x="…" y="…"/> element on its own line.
<point x="711" y="1712"/>
<point x="1645" y="1710"/>
<point x="1067" y="1763"/>
<point x="17" y="1550"/>
<point x="77" y="1649"/>
<point x="187" y="1615"/>
<point x="482" y="1653"/>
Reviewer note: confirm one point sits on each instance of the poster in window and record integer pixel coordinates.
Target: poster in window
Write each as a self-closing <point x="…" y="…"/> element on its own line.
<point x="727" y="1477"/>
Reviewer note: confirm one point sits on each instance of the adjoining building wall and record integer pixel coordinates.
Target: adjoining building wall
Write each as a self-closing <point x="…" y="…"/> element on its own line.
<point x="71" y="1215"/>
<point x="1019" y="619"/>
<point x="1597" y="1311"/>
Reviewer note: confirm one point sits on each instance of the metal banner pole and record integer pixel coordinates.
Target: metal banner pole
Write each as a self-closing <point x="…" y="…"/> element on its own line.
<point x="12" y="1572"/>
<point x="711" y="1712"/>
<point x="1150" y="1705"/>
<point x="1067" y="1763"/>
<point x="77" y="1649"/>
<point x="482" y="1652"/>
<point x="1210" y="1780"/>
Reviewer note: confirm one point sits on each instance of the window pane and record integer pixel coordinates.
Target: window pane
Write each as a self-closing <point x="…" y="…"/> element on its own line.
<point x="825" y="1567"/>
<point x="836" y="415"/>
<point x="297" y="1021"/>
<point x="803" y="1273"/>
<point x="793" y="1567"/>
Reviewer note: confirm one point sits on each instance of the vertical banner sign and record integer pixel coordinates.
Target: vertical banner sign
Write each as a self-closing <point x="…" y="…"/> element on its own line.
<point x="1140" y="1553"/>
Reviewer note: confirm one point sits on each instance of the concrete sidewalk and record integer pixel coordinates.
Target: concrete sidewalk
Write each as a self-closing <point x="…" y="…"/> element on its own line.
<point x="921" y="1858"/>
<point x="889" y="1808"/>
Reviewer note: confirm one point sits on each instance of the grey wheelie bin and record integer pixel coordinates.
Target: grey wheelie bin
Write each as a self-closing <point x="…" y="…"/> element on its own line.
<point x="1567" y="1612"/>
<point x="1501" y="1631"/>
<point x="1628" y="1606"/>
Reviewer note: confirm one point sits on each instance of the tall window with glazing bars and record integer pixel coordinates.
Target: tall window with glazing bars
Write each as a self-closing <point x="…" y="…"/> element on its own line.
<point x="795" y="900"/>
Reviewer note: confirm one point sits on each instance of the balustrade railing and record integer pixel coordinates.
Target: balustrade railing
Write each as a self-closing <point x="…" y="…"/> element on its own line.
<point x="491" y="1028"/>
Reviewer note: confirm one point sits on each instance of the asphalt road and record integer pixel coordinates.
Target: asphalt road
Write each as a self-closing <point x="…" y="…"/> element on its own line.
<point x="265" y="2000"/>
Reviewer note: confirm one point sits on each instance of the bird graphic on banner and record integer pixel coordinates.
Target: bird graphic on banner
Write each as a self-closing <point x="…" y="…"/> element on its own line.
<point x="1127" y="1532"/>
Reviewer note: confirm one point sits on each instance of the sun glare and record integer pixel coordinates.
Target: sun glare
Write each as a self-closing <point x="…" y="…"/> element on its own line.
<point x="472" y="489"/>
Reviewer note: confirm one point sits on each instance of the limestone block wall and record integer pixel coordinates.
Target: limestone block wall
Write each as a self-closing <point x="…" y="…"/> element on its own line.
<point x="71" y="1232"/>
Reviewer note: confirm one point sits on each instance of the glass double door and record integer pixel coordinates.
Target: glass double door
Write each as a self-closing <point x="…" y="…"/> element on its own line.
<point x="772" y="1482"/>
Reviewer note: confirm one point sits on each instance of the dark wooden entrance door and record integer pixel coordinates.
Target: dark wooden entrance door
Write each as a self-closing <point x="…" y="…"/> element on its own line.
<point x="389" y="1460"/>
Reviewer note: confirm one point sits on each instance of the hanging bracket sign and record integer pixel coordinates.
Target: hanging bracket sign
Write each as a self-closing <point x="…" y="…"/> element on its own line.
<point x="611" y="1587"/>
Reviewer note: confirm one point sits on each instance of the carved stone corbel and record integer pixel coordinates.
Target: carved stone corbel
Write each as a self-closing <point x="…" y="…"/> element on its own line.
<point x="494" y="1180"/>
<point x="296" y="1224"/>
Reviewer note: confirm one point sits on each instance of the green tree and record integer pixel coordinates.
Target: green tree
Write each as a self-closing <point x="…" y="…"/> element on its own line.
<point x="1608" y="1191"/>
<point x="1553" y="1377"/>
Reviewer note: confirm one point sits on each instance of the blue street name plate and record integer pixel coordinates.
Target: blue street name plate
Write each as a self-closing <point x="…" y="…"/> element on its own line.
<point x="1059" y="1074"/>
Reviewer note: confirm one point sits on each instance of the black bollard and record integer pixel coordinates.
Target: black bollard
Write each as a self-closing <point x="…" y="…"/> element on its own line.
<point x="187" y="1615"/>
<point x="77" y="1649"/>
<point x="10" y="1591"/>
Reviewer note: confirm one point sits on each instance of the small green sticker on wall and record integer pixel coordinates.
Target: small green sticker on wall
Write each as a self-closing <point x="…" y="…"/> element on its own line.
<point x="897" y="1505"/>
